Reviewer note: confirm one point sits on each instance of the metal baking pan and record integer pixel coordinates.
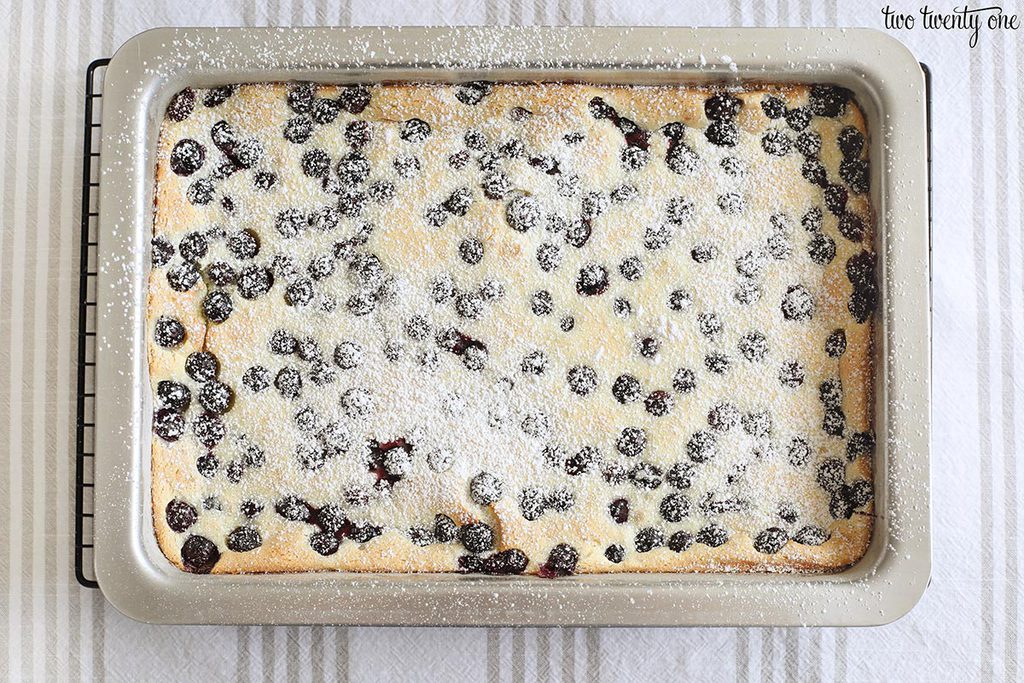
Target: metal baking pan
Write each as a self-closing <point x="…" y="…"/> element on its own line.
<point x="888" y="83"/>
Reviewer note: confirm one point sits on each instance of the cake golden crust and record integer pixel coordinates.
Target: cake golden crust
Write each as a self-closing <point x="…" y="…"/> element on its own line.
<point x="416" y="392"/>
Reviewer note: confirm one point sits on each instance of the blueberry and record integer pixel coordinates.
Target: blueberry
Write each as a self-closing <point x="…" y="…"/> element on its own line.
<point x="183" y="277"/>
<point x="722" y="133"/>
<point x="532" y="503"/>
<point x="562" y="560"/>
<point x="168" y="332"/>
<point x="301" y="96"/>
<point x="831" y="475"/>
<point x="679" y="210"/>
<point x="776" y="143"/>
<point x="217" y="306"/>
<point x="250" y="508"/>
<point x="710" y="324"/>
<point x="207" y="465"/>
<point x="857" y="174"/>
<point x="821" y="249"/>
<point x="534" y="363"/>
<point x="812" y="220"/>
<point x="674" y="507"/>
<point x="560" y="500"/>
<point x="289" y="382"/>
<point x="731" y="203"/>
<point x="512" y="148"/>
<point x="811" y="535"/>
<point x="850" y="142"/>
<point x="722" y="106"/>
<point x="799" y="452"/>
<point x="723" y="417"/>
<point x="325" y="111"/>
<point x="814" y="172"/>
<point x="791" y="374"/>
<point x="835" y="199"/>
<point x="648" y="538"/>
<point x="199" y="555"/>
<point x="633" y="158"/>
<point x="621" y="308"/>
<point x="187" y="157"/>
<point x="859" y="493"/>
<point x="860" y="443"/>
<point x="680" y="475"/>
<point x="180" y="515"/>
<point x="631" y="441"/>
<point x="510" y="561"/>
<point x="216" y="397"/>
<point x="414" y="130"/>
<point x="659" y="403"/>
<point x="788" y="513"/>
<point x="181" y="105"/>
<point x="324" y="543"/>
<point x="582" y="461"/>
<point x="717" y="362"/>
<point x="193" y="246"/>
<point x="831" y="392"/>
<point x="797" y="304"/>
<point x="281" y="343"/>
<point x="541" y="303"/>
<point x="712" y="535"/>
<point x="471" y="250"/>
<point x="798" y="118"/>
<point x="496" y="185"/>
<point x="679" y="542"/>
<point x="353" y="168"/>
<point x="354" y="98"/>
<point x="173" y="395"/>
<point x="754" y="346"/>
<point x="758" y="424"/>
<point x="658" y="236"/>
<point x="299" y="293"/>
<point x="549" y="256"/>
<point x="773" y="107"/>
<point x="581" y="379"/>
<point x="254" y="281"/>
<point x="679" y="300"/>
<point x="834" y="422"/>
<point x="704" y="252"/>
<point x="644" y="475"/>
<point x="220" y="273"/>
<point x="243" y="539"/>
<point x="202" y="366"/>
<point x="256" y="378"/>
<point x="316" y="163"/>
<point x="298" y="130"/>
<point x="648" y="347"/>
<point x="615" y="553"/>
<point x="808" y="143"/>
<point x="681" y="159"/>
<point x="702" y="446"/>
<point x="477" y="537"/>
<point x="209" y="429"/>
<point x="577" y="233"/>
<point x="627" y="389"/>
<point x="168" y="424"/>
<point x="618" y="509"/>
<point x="445" y="530"/>
<point x="472" y="93"/>
<point x="771" y="540"/>
<point x="828" y="100"/>
<point x="162" y="251"/>
<point x="486" y="489"/>
<point x="264" y="180"/>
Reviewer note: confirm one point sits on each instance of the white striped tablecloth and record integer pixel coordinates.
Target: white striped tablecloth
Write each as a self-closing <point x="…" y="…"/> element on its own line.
<point x="965" y="628"/>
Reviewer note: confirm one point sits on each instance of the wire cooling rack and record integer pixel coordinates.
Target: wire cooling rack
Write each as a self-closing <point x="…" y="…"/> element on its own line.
<point x="86" y="393"/>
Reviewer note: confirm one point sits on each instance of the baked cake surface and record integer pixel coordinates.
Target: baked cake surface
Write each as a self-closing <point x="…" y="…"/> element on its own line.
<point x="552" y="328"/>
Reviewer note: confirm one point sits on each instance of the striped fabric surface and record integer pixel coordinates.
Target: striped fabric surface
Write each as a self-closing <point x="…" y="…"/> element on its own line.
<point x="965" y="628"/>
